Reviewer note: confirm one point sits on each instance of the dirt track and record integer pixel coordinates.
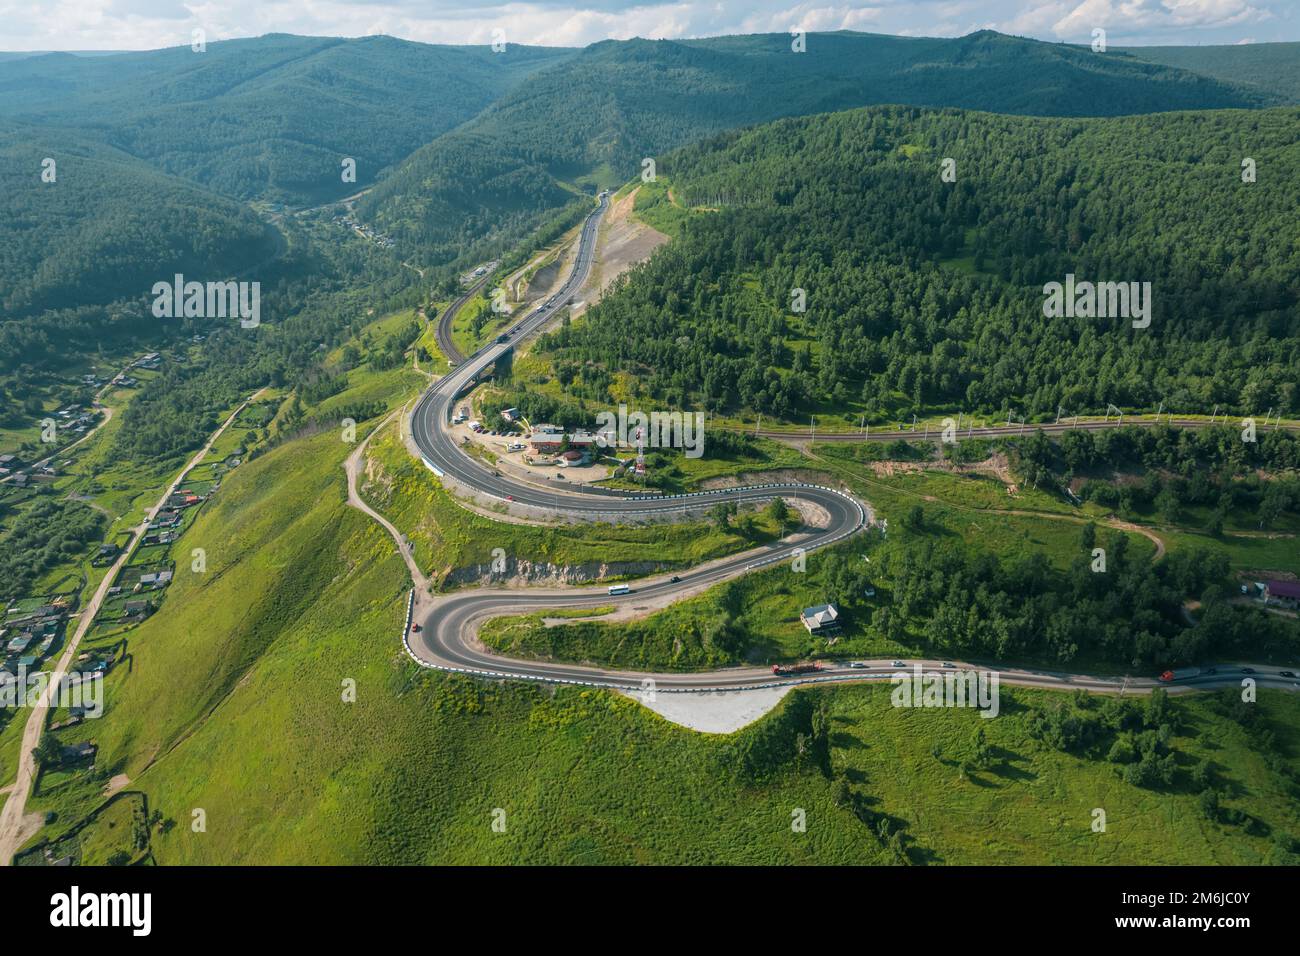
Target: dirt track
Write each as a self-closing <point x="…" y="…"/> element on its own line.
<point x="16" y="828"/>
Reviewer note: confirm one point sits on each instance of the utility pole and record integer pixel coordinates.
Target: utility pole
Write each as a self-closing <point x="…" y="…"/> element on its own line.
<point x="1216" y="413"/>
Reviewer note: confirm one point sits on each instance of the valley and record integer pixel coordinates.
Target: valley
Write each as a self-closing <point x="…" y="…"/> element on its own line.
<point x="353" y="628"/>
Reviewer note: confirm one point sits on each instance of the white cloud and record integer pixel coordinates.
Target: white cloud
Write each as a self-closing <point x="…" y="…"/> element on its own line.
<point x="144" y="24"/>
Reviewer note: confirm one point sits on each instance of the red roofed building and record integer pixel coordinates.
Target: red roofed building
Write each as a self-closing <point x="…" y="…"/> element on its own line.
<point x="1285" y="593"/>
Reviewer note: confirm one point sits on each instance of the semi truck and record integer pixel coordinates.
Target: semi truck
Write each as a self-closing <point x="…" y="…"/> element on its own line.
<point x="787" y="670"/>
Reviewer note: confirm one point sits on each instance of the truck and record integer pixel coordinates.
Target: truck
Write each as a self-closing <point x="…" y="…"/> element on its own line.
<point x="787" y="670"/>
<point x="1181" y="673"/>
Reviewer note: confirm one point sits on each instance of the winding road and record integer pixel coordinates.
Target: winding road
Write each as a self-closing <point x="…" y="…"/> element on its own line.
<point x="443" y="333"/>
<point x="447" y="639"/>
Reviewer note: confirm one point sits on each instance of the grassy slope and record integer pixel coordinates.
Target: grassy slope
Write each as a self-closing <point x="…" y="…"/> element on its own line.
<point x="232" y="703"/>
<point x="1034" y="806"/>
<point x="444" y="536"/>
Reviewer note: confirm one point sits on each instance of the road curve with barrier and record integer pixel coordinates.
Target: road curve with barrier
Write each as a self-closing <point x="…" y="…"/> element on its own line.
<point x="446" y="639"/>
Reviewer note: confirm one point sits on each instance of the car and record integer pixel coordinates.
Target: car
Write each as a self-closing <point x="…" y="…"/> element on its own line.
<point x="674" y="579"/>
<point x="949" y="664"/>
<point x="898" y="664"/>
<point x="1248" y="670"/>
<point x="559" y="477"/>
<point x="1286" y="673"/>
<point x="415" y="628"/>
<point x="857" y="665"/>
<point x="1210" y="670"/>
<point x="510" y="497"/>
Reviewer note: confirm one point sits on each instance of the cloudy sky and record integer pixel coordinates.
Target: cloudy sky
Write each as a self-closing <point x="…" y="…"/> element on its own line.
<point x="148" y="24"/>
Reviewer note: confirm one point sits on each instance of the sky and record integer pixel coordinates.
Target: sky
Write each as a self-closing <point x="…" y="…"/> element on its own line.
<point x="150" y="24"/>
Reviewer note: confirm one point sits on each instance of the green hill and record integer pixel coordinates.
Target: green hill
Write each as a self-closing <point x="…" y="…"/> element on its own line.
<point x="108" y="227"/>
<point x="593" y="118"/>
<point x="1270" y="68"/>
<point x="925" y="294"/>
<point x="233" y="703"/>
<point x="270" y="117"/>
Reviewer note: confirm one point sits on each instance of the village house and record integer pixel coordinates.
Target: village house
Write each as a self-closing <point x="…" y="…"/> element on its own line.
<point x="821" y="619"/>
<point x="1282" y="593"/>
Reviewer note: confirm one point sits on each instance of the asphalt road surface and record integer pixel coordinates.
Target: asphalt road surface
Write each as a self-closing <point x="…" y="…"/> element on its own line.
<point x="446" y="637"/>
<point x="443" y="333"/>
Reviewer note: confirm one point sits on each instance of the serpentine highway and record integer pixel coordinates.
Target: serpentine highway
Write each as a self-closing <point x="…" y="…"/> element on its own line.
<point x="446" y="639"/>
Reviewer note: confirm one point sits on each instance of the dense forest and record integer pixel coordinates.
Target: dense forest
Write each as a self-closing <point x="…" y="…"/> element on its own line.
<point x="270" y="117"/>
<point x="923" y="294"/>
<point x="593" y="118"/>
<point x="320" y="295"/>
<point x="106" y="228"/>
<point x="968" y="604"/>
<point x="1273" y="68"/>
<point x="42" y="536"/>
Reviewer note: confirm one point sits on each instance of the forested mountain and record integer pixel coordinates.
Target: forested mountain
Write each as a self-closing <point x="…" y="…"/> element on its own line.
<point x="1273" y="68"/>
<point x="153" y="150"/>
<point x="270" y="117"/>
<point x="596" y="116"/>
<point x="107" y="227"/>
<point x="926" y="294"/>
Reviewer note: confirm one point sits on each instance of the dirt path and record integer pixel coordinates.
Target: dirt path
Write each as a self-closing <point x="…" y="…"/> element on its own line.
<point x="1112" y="522"/>
<point x="108" y="417"/>
<point x="16" y="828"/>
<point x="353" y="467"/>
